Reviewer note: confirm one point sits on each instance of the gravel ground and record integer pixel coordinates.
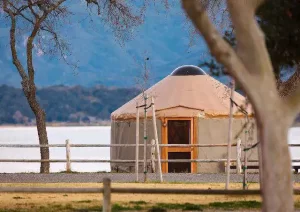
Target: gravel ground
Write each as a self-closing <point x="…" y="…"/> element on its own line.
<point x="122" y="177"/>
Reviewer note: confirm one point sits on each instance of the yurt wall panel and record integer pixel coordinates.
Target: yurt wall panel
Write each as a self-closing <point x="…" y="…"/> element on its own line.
<point x="215" y="131"/>
<point x="124" y="132"/>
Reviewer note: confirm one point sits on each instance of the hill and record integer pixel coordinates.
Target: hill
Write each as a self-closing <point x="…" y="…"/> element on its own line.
<point x="65" y="104"/>
<point x="163" y="37"/>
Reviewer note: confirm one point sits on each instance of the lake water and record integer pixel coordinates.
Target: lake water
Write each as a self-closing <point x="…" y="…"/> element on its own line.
<point x="76" y="135"/>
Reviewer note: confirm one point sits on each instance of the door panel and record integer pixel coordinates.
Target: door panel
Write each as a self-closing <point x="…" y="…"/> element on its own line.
<point x="179" y="167"/>
<point x="179" y="132"/>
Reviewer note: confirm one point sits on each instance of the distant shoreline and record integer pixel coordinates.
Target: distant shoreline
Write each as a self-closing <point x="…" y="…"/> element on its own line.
<point x="107" y="124"/>
<point x="62" y="124"/>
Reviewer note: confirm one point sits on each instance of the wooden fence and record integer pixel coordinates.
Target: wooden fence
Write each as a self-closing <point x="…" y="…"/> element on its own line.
<point x="107" y="190"/>
<point x="69" y="161"/>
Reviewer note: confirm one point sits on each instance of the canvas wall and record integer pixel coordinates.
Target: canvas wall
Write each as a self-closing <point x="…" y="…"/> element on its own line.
<point x="215" y="131"/>
<point x="210" y="131"/>
<point x="125" y="133"/>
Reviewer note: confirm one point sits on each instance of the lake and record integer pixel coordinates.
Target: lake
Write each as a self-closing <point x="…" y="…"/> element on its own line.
<point x="76" y="135"/>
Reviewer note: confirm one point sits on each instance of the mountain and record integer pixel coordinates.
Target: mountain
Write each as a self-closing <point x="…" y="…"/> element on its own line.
<point x="66" y="104"/>
<point x="163" y="37"/>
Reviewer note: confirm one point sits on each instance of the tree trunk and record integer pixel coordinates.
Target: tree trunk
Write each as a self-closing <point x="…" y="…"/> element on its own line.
<point x="287" y="87"/>
<point x="40" y="115"/>
<point x="277" y="173"/>
<point x="43" y="140"/>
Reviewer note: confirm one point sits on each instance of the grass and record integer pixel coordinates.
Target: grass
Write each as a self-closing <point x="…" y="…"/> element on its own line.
<point x="141" y="205"/>
<point x="84" y="201"/>
<point x="141" y="202"/>
<point x="184" y="207"/>
<point x="236" y="205"/>
<point x="17" y="197"/>
<point x="144" y="206"/>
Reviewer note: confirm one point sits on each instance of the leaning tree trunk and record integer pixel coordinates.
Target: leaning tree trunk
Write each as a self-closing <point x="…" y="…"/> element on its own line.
<point x="43" y="139"/>
<point x="30" y="93"/>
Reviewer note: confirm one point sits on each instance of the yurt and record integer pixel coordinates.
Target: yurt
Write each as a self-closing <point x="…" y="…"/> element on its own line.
<point x="190" y="108"/>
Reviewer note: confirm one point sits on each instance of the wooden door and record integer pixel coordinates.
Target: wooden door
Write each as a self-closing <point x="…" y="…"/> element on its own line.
<point x="178" y="131"/>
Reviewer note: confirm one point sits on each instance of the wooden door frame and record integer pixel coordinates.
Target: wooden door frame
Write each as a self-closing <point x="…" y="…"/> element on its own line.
<point x="193" y="150"/>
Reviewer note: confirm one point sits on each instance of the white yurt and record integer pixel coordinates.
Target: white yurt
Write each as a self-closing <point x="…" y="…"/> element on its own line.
<point x="191" y="108"/>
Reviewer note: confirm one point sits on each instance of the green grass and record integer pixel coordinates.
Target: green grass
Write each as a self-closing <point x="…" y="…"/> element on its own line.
<point x="138" y="202"/>
<point x="117" y="207"/>
<point x="142" y="205"/>
<point x="17" y="197"/>
<point x="236" y="205"/>
<point x="84" y="201"/>
<point x="185" y="206"/>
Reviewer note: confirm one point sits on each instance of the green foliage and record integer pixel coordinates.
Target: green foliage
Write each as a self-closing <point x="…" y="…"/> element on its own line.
<point x="63" y="104"/>
<point x="280" y="22"/>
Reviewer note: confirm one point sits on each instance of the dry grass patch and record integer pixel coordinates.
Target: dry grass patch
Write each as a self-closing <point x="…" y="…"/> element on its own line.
<point x="29" y="200"/>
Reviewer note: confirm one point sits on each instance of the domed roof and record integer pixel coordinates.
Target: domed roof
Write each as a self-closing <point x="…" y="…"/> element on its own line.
<point x="187" y="70"/>
<point x="185" y="96"/>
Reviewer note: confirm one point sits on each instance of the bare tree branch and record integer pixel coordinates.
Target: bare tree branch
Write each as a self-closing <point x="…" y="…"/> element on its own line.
<point x="33" y="34"/>
<point x="222" y="51"/>
<point x="30" y="4"/>
<point x="250" y="37"/>
<point x="16" y="61"/>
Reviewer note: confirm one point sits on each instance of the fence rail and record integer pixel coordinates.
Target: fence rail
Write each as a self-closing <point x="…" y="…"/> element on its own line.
<point x="109" y="145"/>
<point x="67" y="145"/>
<point x="69" y="161"/>
<point x="117" y="145"/>
<point x="107" y="190"/>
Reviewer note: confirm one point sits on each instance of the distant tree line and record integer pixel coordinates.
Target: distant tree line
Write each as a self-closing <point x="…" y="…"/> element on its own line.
<point x="64" y="104"/>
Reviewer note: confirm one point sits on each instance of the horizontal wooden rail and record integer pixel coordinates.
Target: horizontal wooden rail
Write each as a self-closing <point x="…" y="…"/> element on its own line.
<point x="117" y="145"/>
<point x="121" y="161"/>
<point x="64" y="161"/>
<point x="108" y="145"/>
<point x="133" y="190"/>
<point x="183" y="191"/>
<point x="49" y="190"/>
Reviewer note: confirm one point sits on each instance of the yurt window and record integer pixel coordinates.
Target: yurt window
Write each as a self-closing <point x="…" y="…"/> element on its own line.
<point x="179" y="131"/>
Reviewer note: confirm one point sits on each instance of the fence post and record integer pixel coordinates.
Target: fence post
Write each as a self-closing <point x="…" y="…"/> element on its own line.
<point x="106" y="195"/>
<point x="153" y="155"/>
<point x="137" y="142"/>
<point x="68" y="165"/>
<point x="230" y="135"/>
<point x="238" y="156"/>
<point x="156" y="139"/>
<point x="145" y="137"/>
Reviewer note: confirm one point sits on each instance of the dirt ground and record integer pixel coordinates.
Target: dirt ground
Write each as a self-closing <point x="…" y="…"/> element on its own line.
<point x="27" y="200"/>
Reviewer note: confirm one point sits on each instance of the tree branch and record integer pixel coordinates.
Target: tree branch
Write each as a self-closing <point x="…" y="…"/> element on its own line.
<point x="285" y="88"/>
<point x="251" y="46"/>
<point x="15" y="58"/>
<point x="30" y="4"/>
<point x="219" y="48"/>
<point x="36" y="28"/>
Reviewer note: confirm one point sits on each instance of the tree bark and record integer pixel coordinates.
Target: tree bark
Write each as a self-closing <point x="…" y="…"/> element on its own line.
<point x="287" y="87"/>
<point x="29" y="90"/>
<point x="277" y="188"/>
<point x="251" y="67"/>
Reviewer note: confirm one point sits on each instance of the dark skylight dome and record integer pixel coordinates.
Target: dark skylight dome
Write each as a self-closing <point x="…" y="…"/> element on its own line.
<point x="187" y="70"/>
